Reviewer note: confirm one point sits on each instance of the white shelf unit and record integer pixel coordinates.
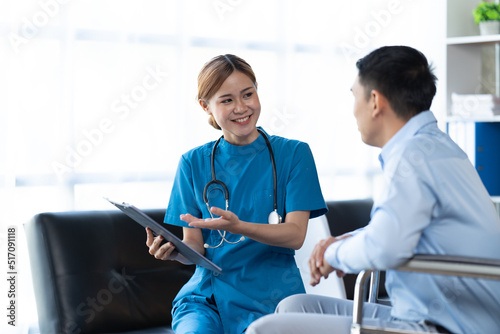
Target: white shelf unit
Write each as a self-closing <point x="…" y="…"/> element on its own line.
<point x="473" y="67"/>
<point x="473" y="40"/>
<point x="464" y="54"/>
<point x="465" y="72"/>
<point x="474" y="119"/>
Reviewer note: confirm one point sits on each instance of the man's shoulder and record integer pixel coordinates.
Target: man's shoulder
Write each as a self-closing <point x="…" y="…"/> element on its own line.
<point x="431" y="143"/>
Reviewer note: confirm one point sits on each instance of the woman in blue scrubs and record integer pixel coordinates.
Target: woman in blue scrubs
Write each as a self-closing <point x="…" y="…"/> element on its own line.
<point x="257" y="258"/>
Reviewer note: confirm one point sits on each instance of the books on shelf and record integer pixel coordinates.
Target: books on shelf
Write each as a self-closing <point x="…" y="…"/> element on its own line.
<point x="470" y="105"/>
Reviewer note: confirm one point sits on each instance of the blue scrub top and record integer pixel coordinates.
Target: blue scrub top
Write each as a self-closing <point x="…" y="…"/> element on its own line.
<point x="256" y="276"/>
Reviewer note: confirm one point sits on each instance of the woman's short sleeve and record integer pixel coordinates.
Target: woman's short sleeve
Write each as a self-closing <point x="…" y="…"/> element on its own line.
<point x="182" y="197"/>
<point x="303" y="191"/>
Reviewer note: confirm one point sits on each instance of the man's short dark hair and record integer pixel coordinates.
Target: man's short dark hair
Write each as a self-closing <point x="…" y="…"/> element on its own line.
<point x="403" y="75"/>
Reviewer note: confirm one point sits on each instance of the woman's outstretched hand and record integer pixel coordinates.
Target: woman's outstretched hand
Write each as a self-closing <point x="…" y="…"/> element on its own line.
<point x="227" y="221"/>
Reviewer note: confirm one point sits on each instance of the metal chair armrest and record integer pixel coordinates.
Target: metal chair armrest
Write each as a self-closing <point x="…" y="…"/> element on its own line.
<point x="423" y="263"/>
<point x="453" y="265"/>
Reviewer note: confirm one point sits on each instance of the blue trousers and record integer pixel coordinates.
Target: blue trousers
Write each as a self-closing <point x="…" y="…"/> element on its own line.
<point x="196" y="315"/>
<point x="305" y="313"/>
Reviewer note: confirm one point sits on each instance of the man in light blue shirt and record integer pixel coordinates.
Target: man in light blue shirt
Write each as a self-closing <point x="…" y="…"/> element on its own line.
<point x="434" y="203"/>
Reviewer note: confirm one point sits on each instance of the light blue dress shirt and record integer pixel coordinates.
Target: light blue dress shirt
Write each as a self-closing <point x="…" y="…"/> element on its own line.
<point x="434" y="203"/>
<point x="255" y="276"/>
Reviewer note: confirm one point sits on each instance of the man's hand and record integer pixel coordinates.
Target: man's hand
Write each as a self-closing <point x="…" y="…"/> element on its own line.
<point x="317" y="264"/>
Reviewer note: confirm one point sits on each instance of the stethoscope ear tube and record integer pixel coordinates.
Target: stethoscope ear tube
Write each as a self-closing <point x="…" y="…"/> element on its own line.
<point x="225" y="192"/>
<point x="214" y="179"/>
<point x="275" y="177"/>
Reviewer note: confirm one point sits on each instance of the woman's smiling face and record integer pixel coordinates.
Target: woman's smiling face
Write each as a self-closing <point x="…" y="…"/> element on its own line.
<point x="236" y="108"/>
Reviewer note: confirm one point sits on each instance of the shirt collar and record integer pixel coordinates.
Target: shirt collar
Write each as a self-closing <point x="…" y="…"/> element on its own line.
<point x="411" y="128"/>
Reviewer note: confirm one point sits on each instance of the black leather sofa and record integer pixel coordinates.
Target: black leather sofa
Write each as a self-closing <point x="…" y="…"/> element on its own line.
<point x="92" y="272"/>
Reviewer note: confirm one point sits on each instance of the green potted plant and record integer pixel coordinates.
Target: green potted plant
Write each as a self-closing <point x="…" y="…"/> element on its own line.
<point x="487" y="16"/>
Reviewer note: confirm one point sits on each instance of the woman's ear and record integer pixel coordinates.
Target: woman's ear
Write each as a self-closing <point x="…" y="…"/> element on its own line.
<point x="204" y="105"/>
<point x="211" y="118"/>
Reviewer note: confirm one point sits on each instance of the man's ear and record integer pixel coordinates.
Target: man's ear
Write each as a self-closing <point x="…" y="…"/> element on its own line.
<point x="378" y="103"/>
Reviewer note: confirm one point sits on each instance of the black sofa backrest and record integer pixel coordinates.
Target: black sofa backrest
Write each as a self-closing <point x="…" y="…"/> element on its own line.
<point x="348" y="215"/>
<point x="92" y="273"/>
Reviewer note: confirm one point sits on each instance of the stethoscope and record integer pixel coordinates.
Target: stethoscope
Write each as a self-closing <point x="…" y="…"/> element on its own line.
<point x="273" y="218"/>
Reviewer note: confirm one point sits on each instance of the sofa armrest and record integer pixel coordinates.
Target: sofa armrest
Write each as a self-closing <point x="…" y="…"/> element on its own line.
<point x="92" y="273"/>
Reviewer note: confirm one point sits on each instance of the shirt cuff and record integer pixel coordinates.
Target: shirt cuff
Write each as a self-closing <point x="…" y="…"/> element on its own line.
<point x="331" y="254"/>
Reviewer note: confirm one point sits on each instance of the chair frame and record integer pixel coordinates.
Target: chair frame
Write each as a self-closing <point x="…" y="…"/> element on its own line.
<point x="423" y="263"/>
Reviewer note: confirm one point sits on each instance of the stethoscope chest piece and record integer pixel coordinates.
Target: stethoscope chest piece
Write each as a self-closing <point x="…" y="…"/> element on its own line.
<point x="274" y="218"/>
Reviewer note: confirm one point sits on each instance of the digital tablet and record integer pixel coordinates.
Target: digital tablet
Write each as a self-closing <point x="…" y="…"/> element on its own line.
<point x="159" y="229"/>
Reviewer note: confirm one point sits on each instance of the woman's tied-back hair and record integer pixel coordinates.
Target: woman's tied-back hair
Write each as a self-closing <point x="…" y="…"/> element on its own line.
<point x="403" y="75"/>
<point x="215" y="72"/>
